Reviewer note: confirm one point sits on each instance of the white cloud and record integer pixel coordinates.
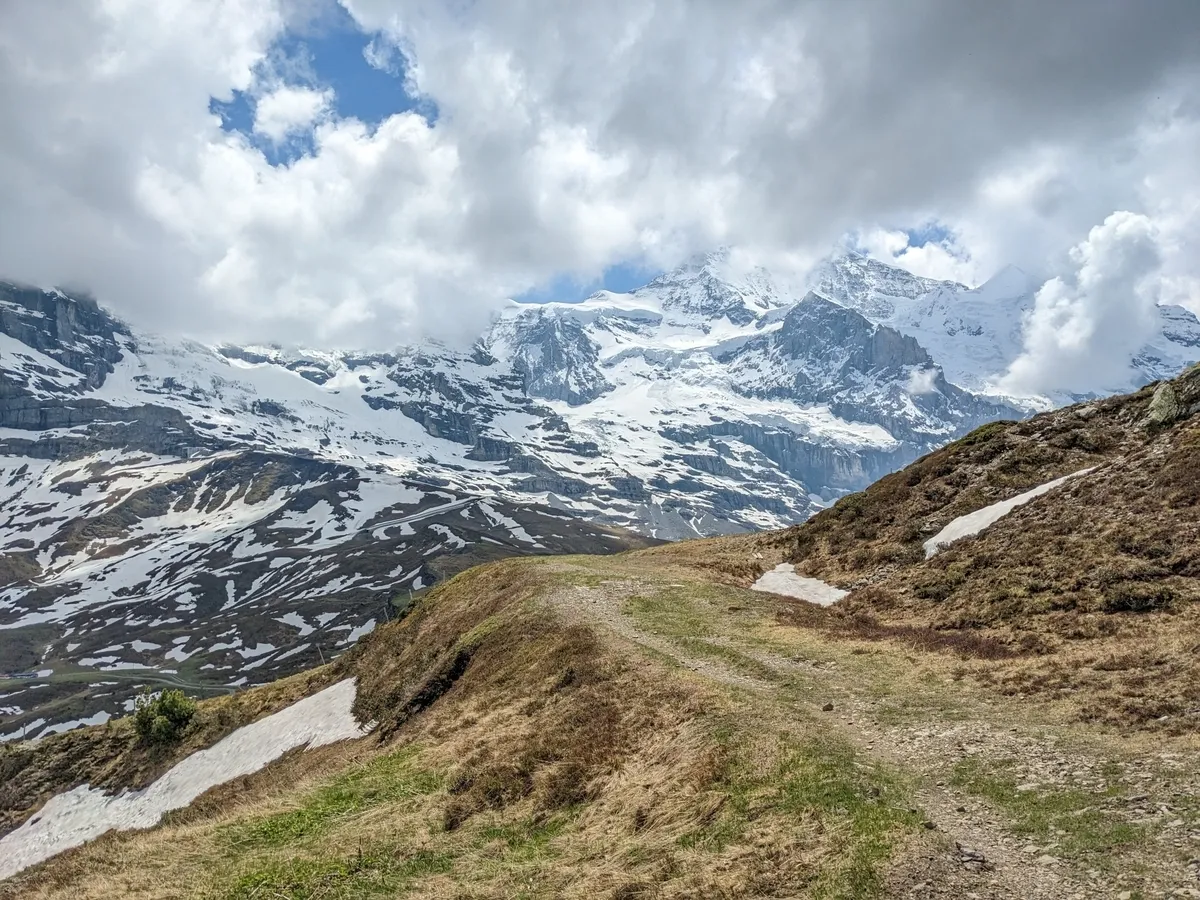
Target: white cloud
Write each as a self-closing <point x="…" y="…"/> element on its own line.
<point x="384" y="55"/>
<point x="922" y="381"/>
<point x="288" y="110"/>
<point x="1086" y="325"/>
<point x="570" y="137"/>
<point x="942" y="260"/>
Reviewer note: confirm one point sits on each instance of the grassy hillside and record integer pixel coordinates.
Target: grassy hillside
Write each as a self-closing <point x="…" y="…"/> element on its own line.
<point x="526" y="746"/>
<point x="1085" y="596"/>
<point x="1009" y="719"/>
<point x="627" y="727"/>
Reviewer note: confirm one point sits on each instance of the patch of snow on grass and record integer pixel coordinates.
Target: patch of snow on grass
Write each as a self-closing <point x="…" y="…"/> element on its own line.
<point x="300" y="648"/>
<point x="98" y="718"/>
<point x="973" y="523"/>
<point x="256" y="650"/>
<point x="296" y="621"/>
<point x="19" y="733"/>
<point x="356" y="633"/>
<point x="84" y="814"/>
<point x="784" y="580"/>
<point x="511" y="524"/>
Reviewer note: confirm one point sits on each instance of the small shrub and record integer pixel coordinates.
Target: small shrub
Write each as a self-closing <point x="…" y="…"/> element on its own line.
<point x="163" y="719"/>
<point x="851" y="506"/>
<point x="806" y="542"/>
<point x="935" y="586"/>
<point x="860" y="559"/>
<point x="985" y="433"/>
<point x="499" y="786"/>
<point x="1138" y="598"/>
<point x="873" y="597"/>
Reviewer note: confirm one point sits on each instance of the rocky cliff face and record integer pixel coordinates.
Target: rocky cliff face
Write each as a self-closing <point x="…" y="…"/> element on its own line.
<point x="73" y="331"/>
<point x="824" y="343"/>
<point x="555" y="358"/>
<point x="864" y="372"/>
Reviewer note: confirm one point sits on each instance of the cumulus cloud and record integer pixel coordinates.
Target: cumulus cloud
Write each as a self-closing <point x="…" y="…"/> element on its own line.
<point x="1085" y="327"/>
<point x="288" y="110"/>
<point x="570" y="137"/>
<point x="922" y="381"/>
<point x="940" y="259"/>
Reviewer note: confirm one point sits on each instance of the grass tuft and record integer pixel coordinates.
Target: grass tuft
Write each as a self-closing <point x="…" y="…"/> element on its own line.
<point x="380" y="872"/>
<point x="386" y="779"/>
<point x="817" y="786"/>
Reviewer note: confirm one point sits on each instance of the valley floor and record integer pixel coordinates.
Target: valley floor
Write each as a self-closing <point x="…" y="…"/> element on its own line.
<point x="639" y="726"/>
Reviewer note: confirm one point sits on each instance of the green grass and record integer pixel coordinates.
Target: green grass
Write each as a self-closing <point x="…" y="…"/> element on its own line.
<point x="281" y="854"/>
<point x="682" y="616"/>
<point x="386" y="779"/>
<point x="525" y="841"/>
<point x="730" y="656"/>
<point x="479" y="633"/>
<point x="1070" y="816"/>
<point x="669" y="613"/>
<point x="380" y="872"/>
<point x="897" y="703"/>
<point x="577" y="577"/>
<point x="819" y="783"/>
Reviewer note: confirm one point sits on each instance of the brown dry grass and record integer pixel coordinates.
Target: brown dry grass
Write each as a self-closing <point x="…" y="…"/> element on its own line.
<point x="1086" y="596"/>
<point x="867" y="535"/>
<point x="1093" y="592"/>
<point x="556" y="761"/>
<point x="737" y="560"/>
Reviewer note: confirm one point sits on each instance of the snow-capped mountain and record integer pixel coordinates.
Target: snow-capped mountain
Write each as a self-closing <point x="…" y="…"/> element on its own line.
<point x="708" y="400"/>
<point x="976" y="333"/>
<point x="221" y="513"/>
<point x="123" y="568"/>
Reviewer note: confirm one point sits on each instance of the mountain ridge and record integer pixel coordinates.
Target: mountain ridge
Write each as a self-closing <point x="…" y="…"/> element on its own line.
<point x="689" y="334"/>
<point x="708" y="402"/>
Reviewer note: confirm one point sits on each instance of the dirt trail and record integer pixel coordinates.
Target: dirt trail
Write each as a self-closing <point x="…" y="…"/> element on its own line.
<point x="973" y="853"/>
<point x="603" y="605"/>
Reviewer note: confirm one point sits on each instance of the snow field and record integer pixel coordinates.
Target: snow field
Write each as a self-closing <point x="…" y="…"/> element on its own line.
<point x="83" y="814"/>
<point x="973" y="523"/>
<point x="784" y="580"/>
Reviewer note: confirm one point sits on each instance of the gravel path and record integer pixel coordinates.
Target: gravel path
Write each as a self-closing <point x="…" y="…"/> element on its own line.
<point x="977" y="858"/>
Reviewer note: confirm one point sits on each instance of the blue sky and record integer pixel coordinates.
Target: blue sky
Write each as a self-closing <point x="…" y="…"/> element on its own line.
<point x="932" y="232"/>
<point x="619" y="279"/>
<point x="333" y="53"/>
<point x="330" y="54"/>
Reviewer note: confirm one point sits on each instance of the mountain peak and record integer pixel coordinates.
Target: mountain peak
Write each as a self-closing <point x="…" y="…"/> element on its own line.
<point x="1009" y="281"/>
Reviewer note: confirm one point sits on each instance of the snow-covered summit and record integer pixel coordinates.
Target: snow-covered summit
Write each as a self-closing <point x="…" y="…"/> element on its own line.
<point x="712" y="398"/>
<point x="870" y="286"/>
